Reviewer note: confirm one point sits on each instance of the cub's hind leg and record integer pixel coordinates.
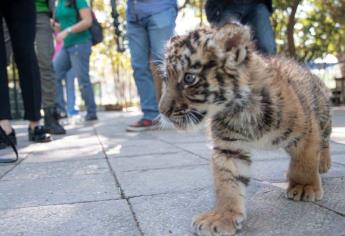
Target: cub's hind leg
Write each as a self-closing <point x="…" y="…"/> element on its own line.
<point x="303" y="175"/>
<point x="325" y="158"/>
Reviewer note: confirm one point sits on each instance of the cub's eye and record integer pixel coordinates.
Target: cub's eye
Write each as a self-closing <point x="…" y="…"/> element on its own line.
<point x="190" y="79"/>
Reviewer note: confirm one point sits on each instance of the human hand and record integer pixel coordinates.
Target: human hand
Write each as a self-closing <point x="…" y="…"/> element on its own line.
<point x="61" y="36"/>
<point x="55" y="25"/>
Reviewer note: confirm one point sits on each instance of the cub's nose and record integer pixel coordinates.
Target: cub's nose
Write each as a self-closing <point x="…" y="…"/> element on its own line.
<point x="166" y="107"/>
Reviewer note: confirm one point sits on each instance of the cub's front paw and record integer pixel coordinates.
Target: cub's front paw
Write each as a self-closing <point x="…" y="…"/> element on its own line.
<point x="216" y="223"/>
<point x="309" y="193"/>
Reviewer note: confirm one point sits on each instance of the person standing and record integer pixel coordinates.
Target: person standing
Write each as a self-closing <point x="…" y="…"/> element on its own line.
<point x="72" y="110"/>
<point x="150" y="23"/>
<point x="20" y="18"/>
<point x="44" y="52"/>
<point x="74" y="20"/>
<point x="255" y="13"/>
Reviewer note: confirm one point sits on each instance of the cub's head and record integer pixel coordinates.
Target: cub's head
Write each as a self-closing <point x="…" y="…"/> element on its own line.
<point x="204" y="72"/>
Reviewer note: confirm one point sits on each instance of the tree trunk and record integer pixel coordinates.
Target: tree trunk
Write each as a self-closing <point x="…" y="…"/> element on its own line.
<point x="290" y="29"/>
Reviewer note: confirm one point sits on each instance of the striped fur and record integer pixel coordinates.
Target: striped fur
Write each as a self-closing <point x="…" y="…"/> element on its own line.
<point x="251" y="101"/>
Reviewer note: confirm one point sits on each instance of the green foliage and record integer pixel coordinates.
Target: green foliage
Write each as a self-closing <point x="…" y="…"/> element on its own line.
<point x="319" y="27"/>
<point x="108" y="66"/>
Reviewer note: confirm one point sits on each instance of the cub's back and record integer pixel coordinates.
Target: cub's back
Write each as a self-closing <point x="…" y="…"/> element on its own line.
<point x="309" y="90"/>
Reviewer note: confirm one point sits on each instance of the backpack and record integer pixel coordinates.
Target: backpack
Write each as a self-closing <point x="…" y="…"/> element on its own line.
<point x="95" y="29"/>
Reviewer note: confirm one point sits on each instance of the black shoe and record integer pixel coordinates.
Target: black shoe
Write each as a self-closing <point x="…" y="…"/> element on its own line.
<point x="51" y="124"/>
<point x="8" y="140"/>
<point x="91" y="117"/>
<point x="59" y="114"/>
<point x="39" y="135"/>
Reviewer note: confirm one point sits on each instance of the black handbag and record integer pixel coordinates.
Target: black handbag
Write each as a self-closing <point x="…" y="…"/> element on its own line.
<point x="96" y="30"/>
<point x="7" y="140"/>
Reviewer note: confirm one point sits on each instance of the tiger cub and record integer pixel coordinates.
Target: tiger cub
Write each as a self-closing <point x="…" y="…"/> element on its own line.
<point x="250" y="101"/>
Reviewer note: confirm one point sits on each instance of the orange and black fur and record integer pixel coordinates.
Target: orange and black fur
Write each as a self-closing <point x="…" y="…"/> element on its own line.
<point x="215" y="75"/>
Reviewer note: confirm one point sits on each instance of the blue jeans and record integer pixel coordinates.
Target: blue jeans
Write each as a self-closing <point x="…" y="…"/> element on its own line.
<point x="77" y="58"/>
<point x="147" y="38"/>
<point x="258" y="17"/>
<point x="70" y="92"/>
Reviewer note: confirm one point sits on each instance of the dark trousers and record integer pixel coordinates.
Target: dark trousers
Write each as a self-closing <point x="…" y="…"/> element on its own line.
<point x="20" y="17"/>
<point x="256" y="15"/>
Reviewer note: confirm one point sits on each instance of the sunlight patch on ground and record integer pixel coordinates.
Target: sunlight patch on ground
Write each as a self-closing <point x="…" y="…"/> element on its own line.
<point x="338" y="134"/>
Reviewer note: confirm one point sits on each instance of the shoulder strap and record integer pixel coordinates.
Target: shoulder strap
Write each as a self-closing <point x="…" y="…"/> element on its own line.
<point x="74" y="3"/>
<point x="8" y="140"/>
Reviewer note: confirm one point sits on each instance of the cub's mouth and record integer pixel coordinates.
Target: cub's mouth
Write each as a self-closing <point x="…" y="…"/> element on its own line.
<point x="184" y="119"/>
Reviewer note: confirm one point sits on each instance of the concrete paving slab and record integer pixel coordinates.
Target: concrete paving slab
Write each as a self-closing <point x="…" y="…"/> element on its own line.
<point x="62" y="190"/>
<point x="337" y="148"/>
<point x="179" y="136"/>
<point x="158" y="161"/>
<point x="338" y="116"/>
<point x="334" y="195"/>
<point x="138" y="148"/>
<point x="148" y="182"/>
<point x="68" y="153"/>
<point x="93" y="218"/>
<point x="265" y="155"/>
<point x="203" y="150"/>
<point x="338" y="134"/>
<point x="276" y="170"/>
<point x="269" y="213"/>
<point x="171" y="214"/>
<point x="112" y="136"/>
<point x="339" y="158"/>
<point x="65" y="187"/>
<point x="4" y="168"/>
<point x="57" y="169"/>
<point x="23" y="151"/>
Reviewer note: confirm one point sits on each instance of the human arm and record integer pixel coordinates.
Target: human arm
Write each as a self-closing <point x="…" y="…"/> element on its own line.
<point x="84" y="23"/>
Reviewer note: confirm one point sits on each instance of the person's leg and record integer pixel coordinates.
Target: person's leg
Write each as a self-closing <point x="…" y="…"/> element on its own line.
<point x="5" y="111"/>
<point x="139" y="49"/>
<point x="20" y="17"/>
<point x="62" y="65"/>
<point x="161" y="28"/>
<point x="70" y="91"/>
<point x="21" y="21"/>
<point x="80" y="58"/>
<point x="60" y="103"/>
<point x="258" y="18"/>
<point x="45" y="50"/>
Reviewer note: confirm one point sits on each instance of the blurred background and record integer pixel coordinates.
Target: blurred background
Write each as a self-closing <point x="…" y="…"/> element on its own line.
<point x="311" y="31"/>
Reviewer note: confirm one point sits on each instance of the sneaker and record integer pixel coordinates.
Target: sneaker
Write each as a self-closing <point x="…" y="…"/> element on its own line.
<point x="143" y="125"/>
<point x="73" y="113"/>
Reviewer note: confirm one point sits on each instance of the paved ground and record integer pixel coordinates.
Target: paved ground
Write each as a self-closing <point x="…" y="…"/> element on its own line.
<point x="100" y="180"/>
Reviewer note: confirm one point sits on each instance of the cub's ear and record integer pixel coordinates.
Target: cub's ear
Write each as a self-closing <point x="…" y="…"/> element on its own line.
<point x="234" y="39"/>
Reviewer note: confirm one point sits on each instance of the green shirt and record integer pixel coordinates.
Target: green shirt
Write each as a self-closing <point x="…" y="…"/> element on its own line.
<point x="42" y="6"/>
<point x="68" y="16"/>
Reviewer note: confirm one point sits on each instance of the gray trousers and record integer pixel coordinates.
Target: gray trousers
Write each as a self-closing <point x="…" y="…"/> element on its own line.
<point x="44" y="50"/>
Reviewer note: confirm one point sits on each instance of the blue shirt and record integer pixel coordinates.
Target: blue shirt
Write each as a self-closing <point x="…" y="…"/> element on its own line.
<point x="139" y="9"/>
